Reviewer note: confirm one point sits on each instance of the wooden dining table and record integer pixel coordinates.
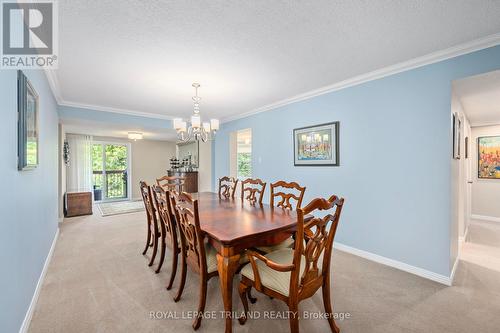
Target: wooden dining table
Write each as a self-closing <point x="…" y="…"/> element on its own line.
<point x="234" y="225"/>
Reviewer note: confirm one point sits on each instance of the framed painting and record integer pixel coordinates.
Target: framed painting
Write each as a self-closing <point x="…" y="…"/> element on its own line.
<point x="488" y="149"/>
<point x="27" y="133"/>
<point x="466" y="147"/>
<point x="317" y="145"/>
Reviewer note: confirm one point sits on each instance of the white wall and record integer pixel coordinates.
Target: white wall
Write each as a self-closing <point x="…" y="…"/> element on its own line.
<point x="458" y="182"/>
<point x="150" y="160"/>
<point x="62" y="170"/>
<point x="485" y="192"/>
<point x="205" y="167"/>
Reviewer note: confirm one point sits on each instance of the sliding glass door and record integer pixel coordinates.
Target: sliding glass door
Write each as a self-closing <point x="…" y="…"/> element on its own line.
<point x="110" y="163"/>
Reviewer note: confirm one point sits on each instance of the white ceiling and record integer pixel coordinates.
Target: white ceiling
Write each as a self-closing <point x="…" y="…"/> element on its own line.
<point x="144" y="55"/>
<point x="480" y="98"/>
<point x="97" y="128"/>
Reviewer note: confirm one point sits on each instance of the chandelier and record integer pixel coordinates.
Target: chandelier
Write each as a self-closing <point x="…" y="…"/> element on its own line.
<point x="196" y="129"/>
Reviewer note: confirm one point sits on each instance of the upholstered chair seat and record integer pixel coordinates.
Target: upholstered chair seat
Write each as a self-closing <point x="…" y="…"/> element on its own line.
<point x="273" y="279"/>
<point x="287" y="244"/>
<point x="211" y="255"/>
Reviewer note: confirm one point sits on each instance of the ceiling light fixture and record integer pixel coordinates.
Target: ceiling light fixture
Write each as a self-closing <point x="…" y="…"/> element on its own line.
<point x="135" y="136"/>
<point x="197" y="130"/>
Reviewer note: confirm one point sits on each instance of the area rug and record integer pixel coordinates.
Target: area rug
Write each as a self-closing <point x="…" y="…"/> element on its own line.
<point x="120" y="207"/>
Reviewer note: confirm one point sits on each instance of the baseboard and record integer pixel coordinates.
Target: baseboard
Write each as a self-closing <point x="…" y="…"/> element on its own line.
<point x="485" y="218"/>
<point x="463" y="239"/>
<point x="446" y="280"/>
<point x="60" y="220"/>
<point x="453" y="270"/>
<point x="34" y="299"/>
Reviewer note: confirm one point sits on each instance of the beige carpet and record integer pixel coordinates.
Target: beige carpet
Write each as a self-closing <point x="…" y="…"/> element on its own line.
<point x="99" y="282"/>
<point x="120" y="207"/>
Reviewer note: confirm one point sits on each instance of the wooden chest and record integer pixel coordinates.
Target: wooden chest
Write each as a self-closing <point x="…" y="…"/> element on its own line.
<point x="77" y="203"/>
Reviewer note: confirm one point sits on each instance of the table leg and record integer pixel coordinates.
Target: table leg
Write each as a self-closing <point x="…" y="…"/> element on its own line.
<point x="227" y="266"/>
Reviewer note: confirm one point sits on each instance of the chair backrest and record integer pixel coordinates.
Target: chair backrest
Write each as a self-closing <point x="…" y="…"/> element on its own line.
<point x="165" y="212"/>
<point x="295" y="192"/>
<point x="188" y="222"/>
<point x="169" y="183"/>
<point x="314" y="242"/>
<point x="253" y="187"/>
<point x="147" y="198"/>
<point x="227" y="187"/>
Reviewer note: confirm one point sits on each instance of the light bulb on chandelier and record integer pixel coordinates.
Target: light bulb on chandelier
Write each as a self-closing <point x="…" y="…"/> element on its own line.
<point x="195" y="129"/>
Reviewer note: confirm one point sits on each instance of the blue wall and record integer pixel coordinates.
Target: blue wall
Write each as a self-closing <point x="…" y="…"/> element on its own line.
<point x="68" y="112"/>
<point x="395" y="149"/>
<point x="28" y="200"/>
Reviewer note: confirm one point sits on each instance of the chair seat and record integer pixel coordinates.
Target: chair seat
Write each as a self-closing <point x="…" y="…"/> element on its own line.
<point x="273" y="279"/>
<point x="287" y="244"/>
<point x="211" y="255"/>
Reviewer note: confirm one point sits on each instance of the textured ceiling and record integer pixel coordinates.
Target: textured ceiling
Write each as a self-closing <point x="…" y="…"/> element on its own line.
<point x="144" y="55"/>
<point x="480" y="98"/>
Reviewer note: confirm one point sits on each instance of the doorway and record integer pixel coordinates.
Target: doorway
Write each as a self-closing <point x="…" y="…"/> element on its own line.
<point x="476" y="168"/>
<point x="111" y="171"/>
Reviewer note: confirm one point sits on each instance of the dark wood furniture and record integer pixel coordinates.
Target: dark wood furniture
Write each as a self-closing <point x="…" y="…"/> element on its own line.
<point x="288" y="196"/>
<point x="308" y="265"/>
<point x="200" y="256"/>
<point x="293" y="192"/>
<point x="227" y="187"/>
<point x="190" y="179"/>
<point x="169" y="232"/>
<point x="171" y="183"/>
<point x="231" y="227"/>
<point x="154" y="232"/>
<point x="255" y="189"/>
<point x="77" y="204"/>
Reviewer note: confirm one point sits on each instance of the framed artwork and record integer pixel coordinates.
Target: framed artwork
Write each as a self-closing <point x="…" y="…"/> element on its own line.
<point x="317" y="145"/>
<point x="456" y="136"/>
<point x="466" y="147"/>
<point x="27" y="132"/>
<point x="488" y="149"/>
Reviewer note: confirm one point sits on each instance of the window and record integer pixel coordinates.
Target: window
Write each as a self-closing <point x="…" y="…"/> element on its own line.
<point x="109" y="169"/>
<point x="244" y="153"/>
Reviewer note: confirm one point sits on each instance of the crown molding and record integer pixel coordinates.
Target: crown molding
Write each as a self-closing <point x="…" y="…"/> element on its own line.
<point x="461" y="49"/>
<point x="455" y="51"/>
<point x="54" y="86"/>
<point x="484" y="124"/>
<point x="115" y="110"/>
<point x="53" y="83"/>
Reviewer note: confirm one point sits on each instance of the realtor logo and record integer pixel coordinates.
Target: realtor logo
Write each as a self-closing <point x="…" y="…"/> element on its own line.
<point x="29" y="34"/>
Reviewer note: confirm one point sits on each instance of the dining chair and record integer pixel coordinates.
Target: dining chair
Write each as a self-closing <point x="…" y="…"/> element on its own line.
<point x="169" y="233"/>
<point x="169" y="183"/>
<point x="196" y="252"/>
<point x="253" y="187"/>
<point x="154" y="232"/>
<point x="287" y="192"/>
<point x="227" y="187"/>
<point x="286" y="195"/>
<point x="292" y="275"/>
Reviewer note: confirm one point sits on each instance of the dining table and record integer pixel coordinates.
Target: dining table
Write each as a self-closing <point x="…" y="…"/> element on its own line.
<point x="234" y="225"/>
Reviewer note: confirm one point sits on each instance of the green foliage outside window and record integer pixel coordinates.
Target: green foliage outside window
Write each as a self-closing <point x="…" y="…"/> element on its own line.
<point x="244" y="165"/>
<point x="115" y="160"/>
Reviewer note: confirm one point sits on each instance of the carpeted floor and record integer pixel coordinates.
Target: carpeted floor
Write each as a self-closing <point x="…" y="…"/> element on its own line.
<point x="99" y="282"/>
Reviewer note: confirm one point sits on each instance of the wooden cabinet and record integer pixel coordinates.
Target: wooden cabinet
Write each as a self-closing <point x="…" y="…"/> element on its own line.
<point x="190" y="179"/>
<point x="77" y="203"/>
